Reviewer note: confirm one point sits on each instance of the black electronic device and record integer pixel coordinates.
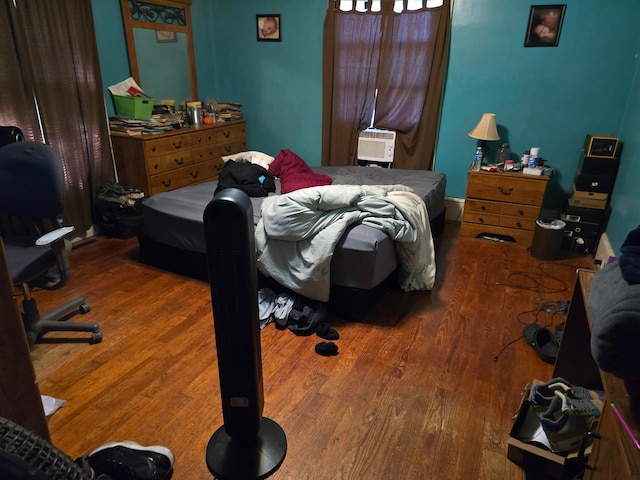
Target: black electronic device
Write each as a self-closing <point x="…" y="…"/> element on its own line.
<point x="586" y="182"/>
<point x="10" y="135"/>
<point x="599" y="166"/>
<point x="248" y="445"/>
<point x="604" y="146"/>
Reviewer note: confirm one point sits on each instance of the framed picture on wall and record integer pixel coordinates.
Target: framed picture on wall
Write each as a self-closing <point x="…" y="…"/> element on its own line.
<point x="545" y="22"/>
<point x="269" y="28"/>
<point x="164" y="36"/>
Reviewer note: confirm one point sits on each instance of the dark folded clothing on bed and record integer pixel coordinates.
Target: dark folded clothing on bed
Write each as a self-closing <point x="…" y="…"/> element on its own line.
<point x="630" y="258"/>
<point x="252" y="179"/>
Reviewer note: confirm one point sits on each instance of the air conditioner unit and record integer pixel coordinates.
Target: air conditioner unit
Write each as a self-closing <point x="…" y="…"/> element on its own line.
<point x="376" y="145"/>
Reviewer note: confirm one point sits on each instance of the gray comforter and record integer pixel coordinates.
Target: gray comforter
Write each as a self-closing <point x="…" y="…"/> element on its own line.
<point x="298" y="232"/>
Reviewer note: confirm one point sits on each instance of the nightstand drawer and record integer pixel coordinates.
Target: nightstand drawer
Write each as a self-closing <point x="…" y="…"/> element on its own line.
<point x="511" y="188"/>
<point x="518" y="222"/>
<point x="482" y="206"/>
<point x="481" y="218"/>
<point x="526" y="211"/>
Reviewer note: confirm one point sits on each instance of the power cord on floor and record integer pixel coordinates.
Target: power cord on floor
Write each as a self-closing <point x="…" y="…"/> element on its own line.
<point x="535" y="281"/>
<point x="547" y="305"/>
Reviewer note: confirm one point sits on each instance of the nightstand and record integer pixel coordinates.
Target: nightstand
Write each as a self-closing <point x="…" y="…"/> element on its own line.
<point x="505" y="204"/>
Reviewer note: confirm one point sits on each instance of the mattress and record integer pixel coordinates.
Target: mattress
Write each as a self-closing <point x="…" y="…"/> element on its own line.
<point x="364" y="257"/>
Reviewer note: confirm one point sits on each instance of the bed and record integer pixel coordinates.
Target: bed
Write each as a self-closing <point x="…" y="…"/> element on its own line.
<point x="364" y="260"/>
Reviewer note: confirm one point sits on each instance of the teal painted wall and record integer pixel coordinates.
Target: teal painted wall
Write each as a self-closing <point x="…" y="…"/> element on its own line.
<point x="548" y="97"/>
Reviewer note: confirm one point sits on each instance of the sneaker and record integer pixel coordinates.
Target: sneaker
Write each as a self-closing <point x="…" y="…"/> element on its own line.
<point x="131" y="461"/>
<point x="567" y="420"/>
<point x="543" y="393"/>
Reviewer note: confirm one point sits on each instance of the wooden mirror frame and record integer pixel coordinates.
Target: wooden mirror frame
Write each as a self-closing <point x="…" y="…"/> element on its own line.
<point x="159" y="8"/>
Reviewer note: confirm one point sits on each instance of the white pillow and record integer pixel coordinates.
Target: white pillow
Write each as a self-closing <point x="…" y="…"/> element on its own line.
<point x="252" y="156"/>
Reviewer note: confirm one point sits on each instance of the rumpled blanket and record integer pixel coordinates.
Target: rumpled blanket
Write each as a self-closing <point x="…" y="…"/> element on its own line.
<point x="295" y="174"/>
<point x="298" y="232"/>
<point x="614" y="306"/>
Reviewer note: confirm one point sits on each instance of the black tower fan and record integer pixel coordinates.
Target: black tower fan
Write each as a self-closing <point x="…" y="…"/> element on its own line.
<point x="248" y="445"/>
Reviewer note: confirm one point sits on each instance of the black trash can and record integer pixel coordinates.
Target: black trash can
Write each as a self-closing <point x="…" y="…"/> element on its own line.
<point x="547" y="239"/>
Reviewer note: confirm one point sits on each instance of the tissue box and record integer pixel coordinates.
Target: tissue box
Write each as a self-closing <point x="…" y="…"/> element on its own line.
<point x="133" y="107"/>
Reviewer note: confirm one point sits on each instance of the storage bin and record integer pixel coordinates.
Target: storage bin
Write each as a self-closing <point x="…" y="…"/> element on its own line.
<point x="133" y="107"/>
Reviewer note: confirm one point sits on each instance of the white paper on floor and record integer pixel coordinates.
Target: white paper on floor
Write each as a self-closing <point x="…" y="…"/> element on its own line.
<point x="51" y="404"/>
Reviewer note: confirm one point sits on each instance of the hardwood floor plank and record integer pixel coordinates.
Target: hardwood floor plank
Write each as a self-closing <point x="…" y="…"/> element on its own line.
<point x="414" y="392"/>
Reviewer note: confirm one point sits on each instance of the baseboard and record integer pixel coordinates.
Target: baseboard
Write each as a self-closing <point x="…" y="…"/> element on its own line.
<point x="455" y="208"/>
<point x="604" y="251"/>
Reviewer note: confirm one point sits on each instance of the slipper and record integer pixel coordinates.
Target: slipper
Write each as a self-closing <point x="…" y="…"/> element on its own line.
<point x="326" y="349"/>
<point x="326" y="332"/>
<point x="543" y="342"/>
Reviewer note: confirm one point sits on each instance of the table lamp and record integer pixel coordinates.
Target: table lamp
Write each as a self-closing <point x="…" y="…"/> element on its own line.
<point x="485" y="130"/>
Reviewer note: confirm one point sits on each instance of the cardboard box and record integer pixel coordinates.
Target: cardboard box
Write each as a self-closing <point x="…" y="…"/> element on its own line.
<point x="588" y="199"/>
<point x="532" y="457"/>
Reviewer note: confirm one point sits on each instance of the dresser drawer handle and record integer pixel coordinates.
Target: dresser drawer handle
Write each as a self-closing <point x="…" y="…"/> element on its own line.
<point x="483" y="208"/>
<point x="481" y="220"/>
<point x="227" y="148"/>
<point x="199" y="139"/>
<point x="166" y="183"/>
<point x="194" y="175"/>
<point x="505" y="191"/>
<point x="226" y="134"/>
<point x="521" y="212"/>
<point x="179" y="161"/>
<point x="156" y="166"/>
<point x="177" y="144"/>
<point x="518" y="224"/>
<point x="153" y="149"/>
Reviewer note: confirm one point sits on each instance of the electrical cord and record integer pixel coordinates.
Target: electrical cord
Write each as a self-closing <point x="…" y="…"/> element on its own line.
<point x="535" y="281"/>
<point x="547" y="305"/>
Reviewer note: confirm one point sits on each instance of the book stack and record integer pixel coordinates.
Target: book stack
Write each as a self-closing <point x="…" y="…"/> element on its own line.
<point x="588" y="211"/>
<point x="228" y="111"/>
<point x="158" y="123"/>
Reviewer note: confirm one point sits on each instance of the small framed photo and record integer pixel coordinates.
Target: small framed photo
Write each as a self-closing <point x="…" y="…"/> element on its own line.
<point x="165" y="36"/>
<point x="269" y="28"/>
<point x="545" y="22"/>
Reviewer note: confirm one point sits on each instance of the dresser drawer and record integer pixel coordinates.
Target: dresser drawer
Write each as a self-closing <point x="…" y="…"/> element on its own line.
<point x="181" y="177"/>
<point x="230" y="133"/>
<point x="521" y="223"/>
<point x="161" y="146"/>
<point x="482" y="206"/>
<point x="171" y="161"/>
<point x="511" y="188"/>
<point x="481" y="218"/>
<point x="525" y="211"/>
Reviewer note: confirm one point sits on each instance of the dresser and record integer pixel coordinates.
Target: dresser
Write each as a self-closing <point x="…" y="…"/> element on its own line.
<point x="505" y="204"/>
<point x="165" y="161"/>
<point x="614" y="454"/>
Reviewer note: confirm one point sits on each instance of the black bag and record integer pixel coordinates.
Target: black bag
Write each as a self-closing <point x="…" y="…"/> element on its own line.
<point x="119" y="210"/>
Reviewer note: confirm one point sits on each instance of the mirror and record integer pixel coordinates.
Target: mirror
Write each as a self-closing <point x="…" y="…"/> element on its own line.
<point x="160" y="48"/>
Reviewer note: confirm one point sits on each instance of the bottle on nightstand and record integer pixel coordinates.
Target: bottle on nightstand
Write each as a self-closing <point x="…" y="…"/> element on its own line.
<point x="477" y="160"/>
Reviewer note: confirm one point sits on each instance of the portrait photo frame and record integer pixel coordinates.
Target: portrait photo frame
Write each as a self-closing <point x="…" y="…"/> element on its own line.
<point x="268" y="27"/>
<point x="544" y="26"/>
<point x="166" y="36"/>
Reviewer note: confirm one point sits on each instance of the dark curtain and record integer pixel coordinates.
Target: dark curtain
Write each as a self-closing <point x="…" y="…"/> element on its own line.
<point x="403" y="56"/>
<point x="52" y="90"/>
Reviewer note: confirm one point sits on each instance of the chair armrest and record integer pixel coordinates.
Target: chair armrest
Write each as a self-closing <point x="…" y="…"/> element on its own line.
<point x="54" y="235"/>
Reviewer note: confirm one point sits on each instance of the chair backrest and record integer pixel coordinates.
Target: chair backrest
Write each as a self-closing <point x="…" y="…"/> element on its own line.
<point x="31" y="180"/>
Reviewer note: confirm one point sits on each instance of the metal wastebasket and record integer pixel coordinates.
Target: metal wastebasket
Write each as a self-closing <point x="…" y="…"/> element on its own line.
<point x="547" y="239"/>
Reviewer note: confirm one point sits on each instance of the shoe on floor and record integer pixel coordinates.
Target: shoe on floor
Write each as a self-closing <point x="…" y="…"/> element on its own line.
<point x="131" y="461"/>
<point x="567" y="420"/>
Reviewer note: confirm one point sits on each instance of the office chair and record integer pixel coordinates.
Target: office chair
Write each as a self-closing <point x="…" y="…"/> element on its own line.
<point x="32" y="198"/>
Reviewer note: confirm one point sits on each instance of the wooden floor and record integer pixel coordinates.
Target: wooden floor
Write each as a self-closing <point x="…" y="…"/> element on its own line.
<point x="414" y="393"/>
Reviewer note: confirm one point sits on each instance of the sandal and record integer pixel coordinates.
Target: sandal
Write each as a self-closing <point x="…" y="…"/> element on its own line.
<point x="543" y="342"/>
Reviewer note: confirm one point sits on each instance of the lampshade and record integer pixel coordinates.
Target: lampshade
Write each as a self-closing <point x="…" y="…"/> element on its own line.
<point x="486" y="128"/>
